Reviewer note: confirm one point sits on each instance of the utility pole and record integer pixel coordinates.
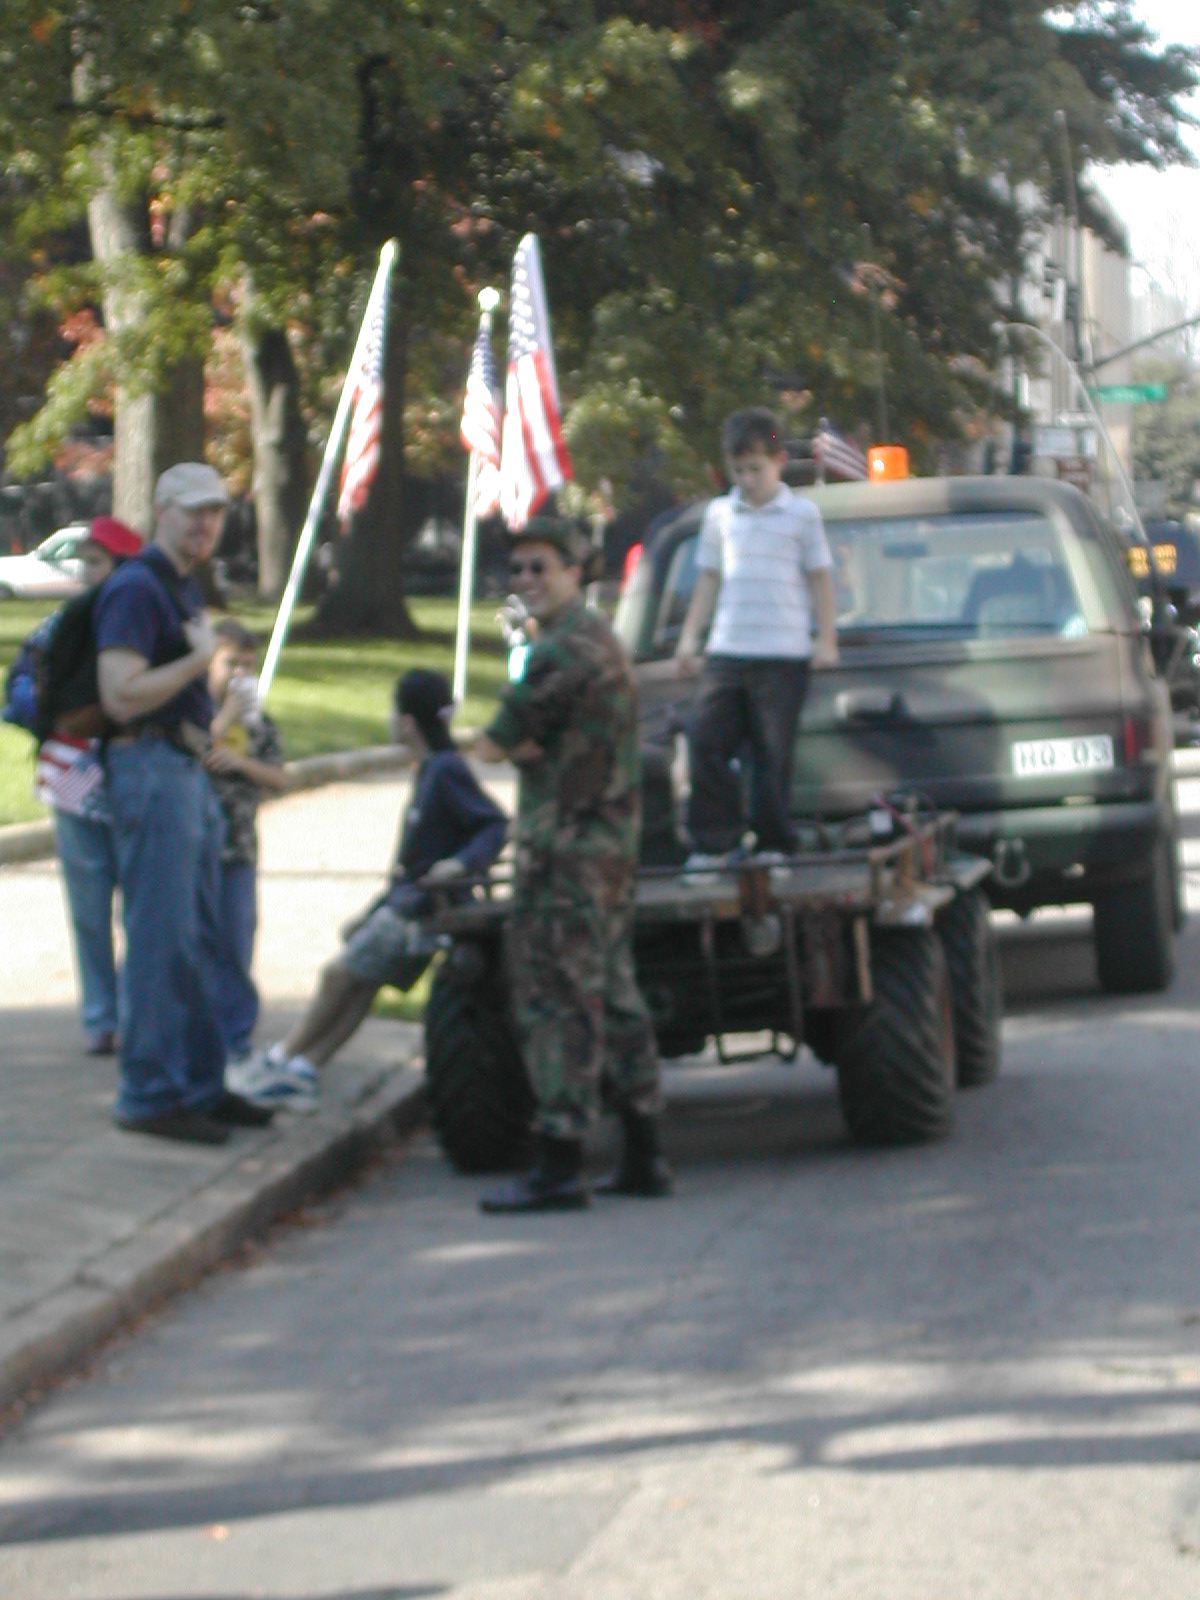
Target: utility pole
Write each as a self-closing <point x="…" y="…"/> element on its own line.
<point x="1077" y="317"/>
<point x="876" y="334"/>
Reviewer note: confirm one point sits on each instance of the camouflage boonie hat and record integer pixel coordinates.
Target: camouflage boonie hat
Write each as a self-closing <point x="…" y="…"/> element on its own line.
<point x="569" y="538"/>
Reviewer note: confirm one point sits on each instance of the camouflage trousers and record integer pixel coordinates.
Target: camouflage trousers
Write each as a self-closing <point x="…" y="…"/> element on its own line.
<point x="582" y="1023"/>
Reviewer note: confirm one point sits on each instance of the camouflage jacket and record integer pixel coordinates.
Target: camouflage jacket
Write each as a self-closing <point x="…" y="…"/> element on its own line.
<point x="580" y="801"/>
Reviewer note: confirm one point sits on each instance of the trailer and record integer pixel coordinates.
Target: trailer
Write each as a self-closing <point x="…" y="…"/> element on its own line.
<point x="871" y="946"/>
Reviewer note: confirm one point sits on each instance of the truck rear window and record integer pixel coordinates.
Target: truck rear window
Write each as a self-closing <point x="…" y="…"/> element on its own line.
<point x="975" y="573"/>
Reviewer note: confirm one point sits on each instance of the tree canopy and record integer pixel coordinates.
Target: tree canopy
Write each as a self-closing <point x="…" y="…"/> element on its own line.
<point x="717" y="189"/>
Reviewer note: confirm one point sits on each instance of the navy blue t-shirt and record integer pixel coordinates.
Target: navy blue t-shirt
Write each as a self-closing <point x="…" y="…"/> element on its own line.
<point x="448" y="815"/>
<point x="143" y="607"/>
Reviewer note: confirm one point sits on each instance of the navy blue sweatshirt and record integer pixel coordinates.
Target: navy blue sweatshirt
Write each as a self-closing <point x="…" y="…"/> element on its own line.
<point x="448" y="815"/>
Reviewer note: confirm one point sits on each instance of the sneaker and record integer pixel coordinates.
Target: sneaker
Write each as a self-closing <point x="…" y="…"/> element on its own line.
<point x="103" y="1043"/>
<point x="698" y="861"/>
<point x="275" y="1086"/>
<point x="245" y="1074"/>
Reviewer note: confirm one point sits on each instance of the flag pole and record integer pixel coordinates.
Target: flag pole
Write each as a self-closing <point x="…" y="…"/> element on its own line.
<point x="333" y="446"/>
<point x="489" y="299"/>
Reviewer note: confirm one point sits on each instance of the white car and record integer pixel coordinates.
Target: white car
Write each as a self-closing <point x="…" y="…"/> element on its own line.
<point x="50" y="569"/>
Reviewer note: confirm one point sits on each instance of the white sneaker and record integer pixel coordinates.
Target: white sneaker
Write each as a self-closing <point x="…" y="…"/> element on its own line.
<point x="277" y="1086"/>
<point x="698" y="861"/>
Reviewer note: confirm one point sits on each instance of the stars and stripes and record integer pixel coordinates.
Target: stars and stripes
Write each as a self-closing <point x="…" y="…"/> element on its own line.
<point x="533" y="460"/>
<point x="365" y="441"/>
<point x="836" y="456"/>
<point x="69" y="776"/>
<point x="482" y="421"/>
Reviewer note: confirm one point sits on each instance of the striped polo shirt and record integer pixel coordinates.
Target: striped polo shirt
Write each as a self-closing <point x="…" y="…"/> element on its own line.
<point x="762" y="554"/>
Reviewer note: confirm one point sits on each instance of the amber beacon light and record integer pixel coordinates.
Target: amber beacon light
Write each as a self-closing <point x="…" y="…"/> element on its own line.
<point x="887" y="462"/>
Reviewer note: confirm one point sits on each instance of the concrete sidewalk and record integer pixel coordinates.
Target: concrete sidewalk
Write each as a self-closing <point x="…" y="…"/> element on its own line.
<point x="96" y="1225"/>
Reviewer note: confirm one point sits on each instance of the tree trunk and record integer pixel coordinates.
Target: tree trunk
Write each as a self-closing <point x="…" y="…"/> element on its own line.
<point x="152" y="430"/>
<point x="366" y="594"/>
<point x="280" y="453"/>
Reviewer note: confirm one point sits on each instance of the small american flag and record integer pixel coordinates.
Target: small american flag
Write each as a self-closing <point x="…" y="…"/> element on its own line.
<point x="837" y="457"/>
<point x="482" y="421"/>
<point x="69" y="775"/>
<point x="365" y="441"/>
<point x="533" y="459"/>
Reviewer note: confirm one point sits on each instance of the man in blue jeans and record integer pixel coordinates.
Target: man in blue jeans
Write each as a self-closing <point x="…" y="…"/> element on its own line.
<point x="154" y="643"/>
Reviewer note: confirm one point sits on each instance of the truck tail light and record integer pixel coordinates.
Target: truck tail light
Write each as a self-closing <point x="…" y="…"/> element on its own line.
<point x="1140" y="736"/>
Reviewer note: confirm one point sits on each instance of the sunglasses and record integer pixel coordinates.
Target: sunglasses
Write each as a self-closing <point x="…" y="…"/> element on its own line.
<point x="535" y="567"/>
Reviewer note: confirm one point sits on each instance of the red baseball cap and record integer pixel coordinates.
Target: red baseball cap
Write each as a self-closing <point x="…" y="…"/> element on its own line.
<point x="118" y="538"/>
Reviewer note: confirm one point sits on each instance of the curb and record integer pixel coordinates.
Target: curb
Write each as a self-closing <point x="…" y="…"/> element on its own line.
<point x="57" y="1336"/>
<point x="34" y="841"/>
<point x="26" y="841"/>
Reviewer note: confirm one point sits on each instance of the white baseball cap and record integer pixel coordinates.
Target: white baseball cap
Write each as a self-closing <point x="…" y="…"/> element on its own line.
<point x="191" y="484"/>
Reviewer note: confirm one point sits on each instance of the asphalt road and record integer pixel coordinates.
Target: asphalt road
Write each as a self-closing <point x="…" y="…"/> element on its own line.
<point x="965" y="1370"/>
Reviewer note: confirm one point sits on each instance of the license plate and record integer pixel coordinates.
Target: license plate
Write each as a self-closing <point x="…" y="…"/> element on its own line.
<point x="1047" y="758"/>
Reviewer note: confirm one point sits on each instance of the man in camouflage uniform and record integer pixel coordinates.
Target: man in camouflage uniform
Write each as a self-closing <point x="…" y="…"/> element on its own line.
<point x="570" y="726"/>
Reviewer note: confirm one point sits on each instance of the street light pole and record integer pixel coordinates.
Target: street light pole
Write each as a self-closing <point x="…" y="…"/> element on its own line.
<point x="1142" y="344"/>
<point x="1076" y="297"/>
<point x="1003" y="329"/>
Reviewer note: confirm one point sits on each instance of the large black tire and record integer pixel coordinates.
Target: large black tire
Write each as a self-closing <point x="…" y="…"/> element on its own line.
<point x="976" y="991"/>
<point x="480" y="1102"/>
<point x="1134" y="927"/>
<point x="895" y="1057"/>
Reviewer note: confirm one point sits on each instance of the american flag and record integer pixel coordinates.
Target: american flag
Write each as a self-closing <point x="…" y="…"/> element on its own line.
<point x="837" y="457"/>
<point x="69" y="775"/>
<point x="533" y="457"/>
<point x="482" y="421"/>
<point x="364" y="444"/>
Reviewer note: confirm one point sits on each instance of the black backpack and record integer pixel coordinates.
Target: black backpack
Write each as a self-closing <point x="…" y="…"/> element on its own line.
<point x="52" y="681"/>
<point x="68" y="689"/>
<point x="61" y="660"/>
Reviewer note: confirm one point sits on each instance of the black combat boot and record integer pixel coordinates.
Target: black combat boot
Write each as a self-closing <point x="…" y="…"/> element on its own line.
<point x="555" y="1184"/>
<point x="642" y="1169"/>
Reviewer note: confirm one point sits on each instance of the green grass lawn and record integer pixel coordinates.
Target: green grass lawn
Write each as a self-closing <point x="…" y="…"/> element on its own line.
<point x="327" y="695"/>
<point x="407" y="1006"/>
<point x="17" y="618"/>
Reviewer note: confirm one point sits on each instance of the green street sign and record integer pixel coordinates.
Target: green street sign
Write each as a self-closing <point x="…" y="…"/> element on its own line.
<point x="1130" y="394"/>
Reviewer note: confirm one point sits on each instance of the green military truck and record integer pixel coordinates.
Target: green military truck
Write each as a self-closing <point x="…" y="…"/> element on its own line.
<point x="999" y="713"/>
<point x="995" y="661"/>
<point x="872" y="945"/>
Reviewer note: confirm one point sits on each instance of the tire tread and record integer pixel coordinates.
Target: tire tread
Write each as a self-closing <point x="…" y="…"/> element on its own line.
<point x="894" y="1081"/>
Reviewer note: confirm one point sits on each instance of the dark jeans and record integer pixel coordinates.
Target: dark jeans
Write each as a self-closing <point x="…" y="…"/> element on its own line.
<point x="236" y="996"/>
<point x="744" y="701"/>
<point x="169" y="831"/>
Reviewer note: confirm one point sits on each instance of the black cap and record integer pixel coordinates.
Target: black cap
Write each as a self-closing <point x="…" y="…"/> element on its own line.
<point x="425" y="696"/>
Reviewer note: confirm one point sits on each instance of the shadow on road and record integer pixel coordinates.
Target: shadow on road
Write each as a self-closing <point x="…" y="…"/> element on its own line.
<point x="406" y="1592"/>
<point x="1053" y="1428"/>
<point x="1016" y="1298"/>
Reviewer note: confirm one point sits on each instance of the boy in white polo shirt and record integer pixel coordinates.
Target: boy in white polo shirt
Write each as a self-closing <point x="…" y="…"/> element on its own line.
<point x="764" y="564"/>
